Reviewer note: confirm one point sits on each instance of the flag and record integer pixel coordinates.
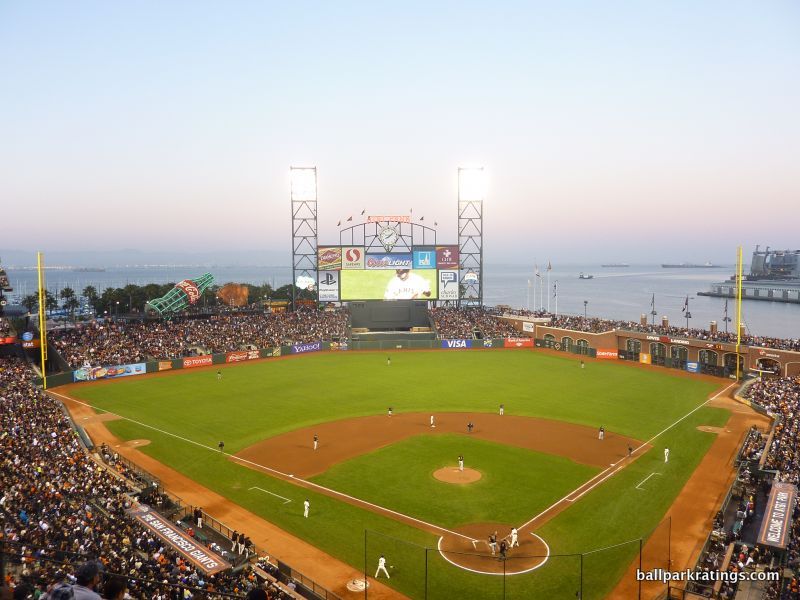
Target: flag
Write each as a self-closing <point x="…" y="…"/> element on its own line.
<point x="435" y="224"/>
<point x="422" y="218"/>
<point x="537" y="271"/>
<point x="555" y="290"/>
<point x="685" y="305"/>
<point x="653" y="302"/>
<point x="350" y="218"/>
<point x="549" y="266"/>
<point x="363" y="211"/>
<point x="411" y="211"/>
<point x="339" y="224"/>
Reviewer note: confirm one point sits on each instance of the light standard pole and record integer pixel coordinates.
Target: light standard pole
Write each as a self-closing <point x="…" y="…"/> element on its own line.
<point x="585" y="304"/>
<point x="117" y="309"/>
<point x="726" y="318"/>
<point x="688" y="314"/>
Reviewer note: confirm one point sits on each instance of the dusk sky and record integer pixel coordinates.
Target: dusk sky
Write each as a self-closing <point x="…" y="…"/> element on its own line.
<point x="609" y="130"/>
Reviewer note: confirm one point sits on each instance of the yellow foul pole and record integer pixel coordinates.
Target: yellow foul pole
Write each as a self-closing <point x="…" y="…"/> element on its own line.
<point x="738" y="307"/>
<point x="42" y="320"/>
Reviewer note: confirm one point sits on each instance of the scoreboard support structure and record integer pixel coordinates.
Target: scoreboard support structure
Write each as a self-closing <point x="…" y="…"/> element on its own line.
<point x="471" y="190"/>
<point x="303" y="193"/>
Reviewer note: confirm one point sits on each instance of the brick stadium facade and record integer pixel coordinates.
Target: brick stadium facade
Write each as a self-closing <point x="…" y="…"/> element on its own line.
<point x="713" y="357"/>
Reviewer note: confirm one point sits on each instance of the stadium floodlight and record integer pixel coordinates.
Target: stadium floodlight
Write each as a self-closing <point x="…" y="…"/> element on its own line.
<point x="471" y="184"/>
<point x="303" y="181"/>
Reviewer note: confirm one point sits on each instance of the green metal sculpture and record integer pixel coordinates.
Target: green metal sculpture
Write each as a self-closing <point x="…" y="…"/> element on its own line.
<point x="183" y="295"/>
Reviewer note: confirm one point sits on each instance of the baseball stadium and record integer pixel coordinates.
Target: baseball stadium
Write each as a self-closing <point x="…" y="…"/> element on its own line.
<point x="381" y="432"/>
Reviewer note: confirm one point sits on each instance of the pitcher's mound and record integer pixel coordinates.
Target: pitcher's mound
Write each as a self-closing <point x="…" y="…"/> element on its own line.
<point x="453" y="475"/>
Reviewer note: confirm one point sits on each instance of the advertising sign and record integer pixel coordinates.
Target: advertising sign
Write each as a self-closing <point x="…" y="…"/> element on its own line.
<point x="329" y="258"/>
<point x="164" y="365"/>
<point x="88" y="373"/>
<point x="198" y="554"/>
<point x="645" y="358"/>
<point x="425" y="258"/>
<point x="388" y="284"/>
<point x="197" y="361"/>
<point x="488" y="344"/>
<point x="399" y="260"/>
<point x="447" y="257"/>
<point x="518" y="343"/>
<point x="777" y="521"/>
<point x="471" y="277"/>
<point x="7" y="340"/>
<point x="311" y="347"/>
<point x="31" y="344"/>
<point x="693" y="367"/>
<point x="353" y="257"/>
<point x="329" y="286"/>
<point x="456" y="344"/>
<point x="389" y="219"/>
<point x="603" y="353"/>
<point x="240" y="356"/>
<point x="448" y="285"/>
<point x="339" y="346"/>
<point x="527" y="326"/>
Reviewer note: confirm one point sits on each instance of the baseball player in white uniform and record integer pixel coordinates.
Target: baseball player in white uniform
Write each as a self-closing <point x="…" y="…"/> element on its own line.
<point x="316" y="441"/>
<point x="382" y="567"/>
<point x="432" y="423"/>
<point x="601" y="433"/>
<point x="306" y="506"/>
<point x="502" y="409"/>
<point x="666" y="455"/>
<point x="514" y="540"/>
<point x="406" y="285"/>
<point x="460" y="462"/>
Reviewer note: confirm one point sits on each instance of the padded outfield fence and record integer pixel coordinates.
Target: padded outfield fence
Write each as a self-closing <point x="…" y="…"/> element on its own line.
<point x="426" y="573"/>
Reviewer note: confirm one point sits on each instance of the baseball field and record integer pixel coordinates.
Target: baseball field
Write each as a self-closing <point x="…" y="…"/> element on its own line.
<point x="380" y="484"/>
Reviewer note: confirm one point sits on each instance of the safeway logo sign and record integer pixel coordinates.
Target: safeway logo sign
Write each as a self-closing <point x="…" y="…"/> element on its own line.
<point x="353" y="258"/>
<point x="456" y="343"/>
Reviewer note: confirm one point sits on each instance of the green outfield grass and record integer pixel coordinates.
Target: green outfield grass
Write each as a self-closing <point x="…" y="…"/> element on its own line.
<point x="262" y="399"/>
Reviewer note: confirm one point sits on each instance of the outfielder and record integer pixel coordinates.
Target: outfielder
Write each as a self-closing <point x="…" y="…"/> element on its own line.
<point x="460" y="462"/>
<point x="388" y="361"/>
<point x="514" y="540"/>
<point x="306" y="506"/>
<point x="601" y="434"/>
<point x="666" y="455"/>
<point x="502" y="409"/>
<point x="382" y="567"/>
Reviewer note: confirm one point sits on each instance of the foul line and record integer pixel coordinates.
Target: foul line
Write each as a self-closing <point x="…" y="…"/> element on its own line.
<point x="645" y="479"/>
<point x="289" y="477"/>
<point x="255" y="487"/>
<point x="613" y="465"/>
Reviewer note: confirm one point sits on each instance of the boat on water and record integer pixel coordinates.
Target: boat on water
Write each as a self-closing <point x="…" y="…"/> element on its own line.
<point x="774" y="276"/>
<point x="88" y="270"/>
<point x="706" y="265"/>
<point x="585" y="276"/>
<point x="611" y="265"/>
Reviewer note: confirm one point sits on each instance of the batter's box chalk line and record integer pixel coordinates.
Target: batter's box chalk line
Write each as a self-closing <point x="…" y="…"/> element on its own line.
<point x="285" y="500"/>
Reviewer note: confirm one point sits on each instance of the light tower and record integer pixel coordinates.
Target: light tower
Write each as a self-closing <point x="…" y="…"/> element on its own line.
<point x="471" y="191"/>
<point x="303" y="193"/>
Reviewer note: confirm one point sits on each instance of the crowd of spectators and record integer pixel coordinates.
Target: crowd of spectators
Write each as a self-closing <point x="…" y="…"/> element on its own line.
<point x="469" y="322"/>
<point x="59" y="508"/>
<point x="597" y="325"/>
<point x="117" y="343"/>
<point x="5" y="327"/>
<point x="753" y="446"/>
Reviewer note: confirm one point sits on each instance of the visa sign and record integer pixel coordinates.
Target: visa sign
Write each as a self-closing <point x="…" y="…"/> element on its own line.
<point x="456" y="343"/>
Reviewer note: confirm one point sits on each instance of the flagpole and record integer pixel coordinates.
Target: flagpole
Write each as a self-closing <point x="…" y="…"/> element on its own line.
<point x="528" y="298"/>
<point x="548" y="285"/>
<point x="42" y="318"/>
<point x="555" y="289"/>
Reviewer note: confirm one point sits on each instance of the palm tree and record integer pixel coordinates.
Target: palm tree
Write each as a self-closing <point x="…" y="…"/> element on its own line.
<point x="31" y="301"/>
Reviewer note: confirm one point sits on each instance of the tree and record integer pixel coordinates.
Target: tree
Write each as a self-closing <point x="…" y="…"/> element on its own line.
<point x="90" y="293"/>
<point x="50" y="302"/>
<point x="30" y="302"/>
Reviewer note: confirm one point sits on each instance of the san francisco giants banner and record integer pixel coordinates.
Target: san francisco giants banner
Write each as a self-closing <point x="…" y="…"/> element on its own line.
<point x="208" y="561"/>
<point x="778" y="515"/>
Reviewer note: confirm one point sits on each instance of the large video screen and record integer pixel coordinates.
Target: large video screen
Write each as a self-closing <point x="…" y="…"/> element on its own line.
<point x="389" y="284"/>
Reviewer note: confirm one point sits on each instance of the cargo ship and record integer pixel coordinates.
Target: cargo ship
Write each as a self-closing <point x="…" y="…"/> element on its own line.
<point x="707" y="265"/>
<point x="774" y="276"/>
